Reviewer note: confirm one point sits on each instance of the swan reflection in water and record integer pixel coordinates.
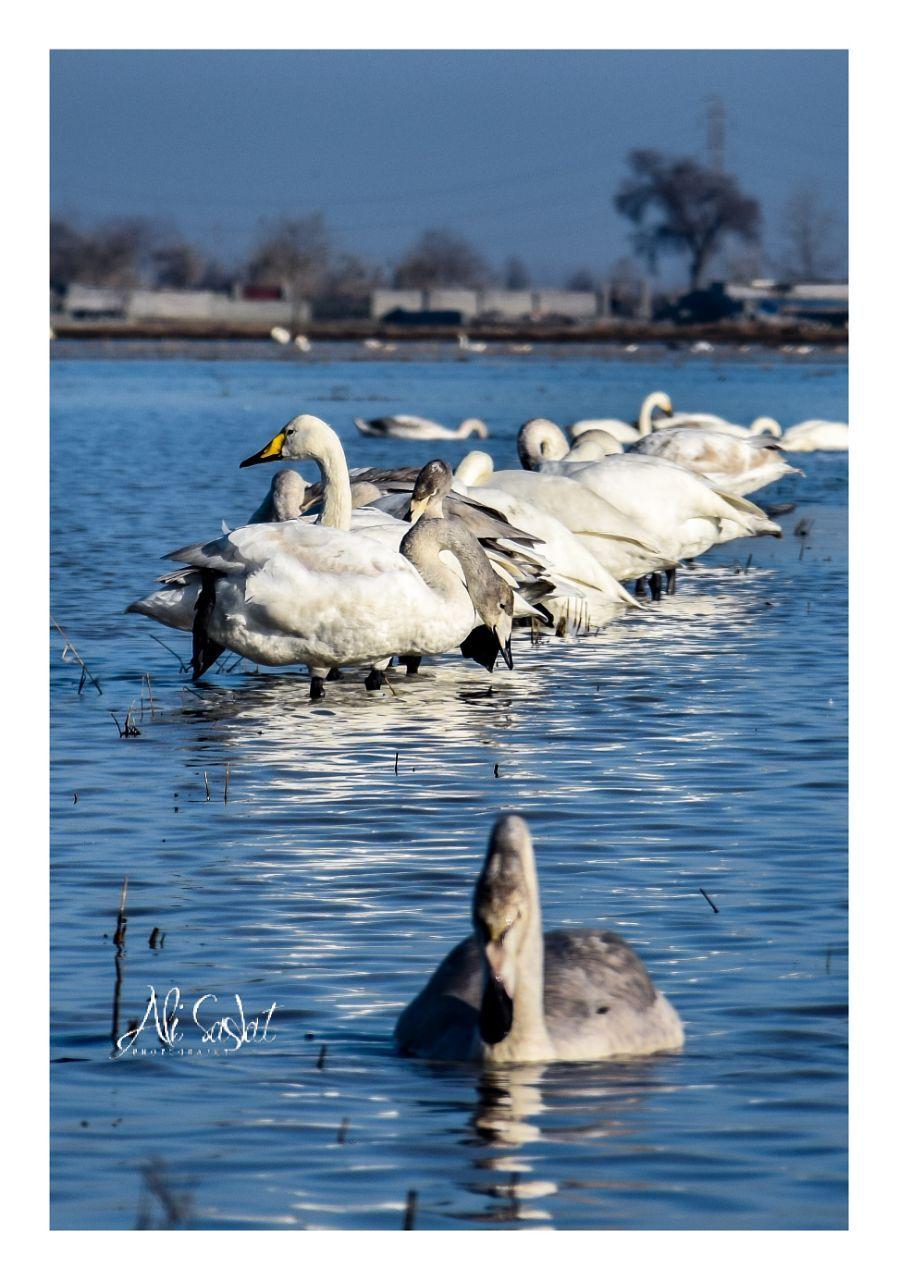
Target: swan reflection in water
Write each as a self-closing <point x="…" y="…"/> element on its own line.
<point x="518" y="1109"/>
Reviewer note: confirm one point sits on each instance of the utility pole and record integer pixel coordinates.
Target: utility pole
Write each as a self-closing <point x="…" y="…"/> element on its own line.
<point x="716" y="124"/>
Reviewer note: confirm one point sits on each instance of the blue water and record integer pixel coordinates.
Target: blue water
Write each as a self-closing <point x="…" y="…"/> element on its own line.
<point x="701" y="746"/>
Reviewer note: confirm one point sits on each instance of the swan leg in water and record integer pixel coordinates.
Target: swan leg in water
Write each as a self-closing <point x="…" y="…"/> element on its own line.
<point x="511" y="993"/>
<point x="655" y="586"/>
<point x="411" y="662"/>
<point x="671" y="580"/>
<point x="316" y="684"/>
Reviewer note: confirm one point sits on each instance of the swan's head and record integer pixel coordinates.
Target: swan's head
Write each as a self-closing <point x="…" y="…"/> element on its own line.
<point x="503" y="911"/>
<point x="473" y="427"/>
<point x="592" y="445"/>
<point x="493" y="598"/>
<point x="540" y="440"/>
<point x="433" y="483"/>
<point x="475" y="468"/>
<point x="658" y="400"/>
<point x="304" y="436"/>
<point x="286" y="494"/>
<point x="765" y="426"/>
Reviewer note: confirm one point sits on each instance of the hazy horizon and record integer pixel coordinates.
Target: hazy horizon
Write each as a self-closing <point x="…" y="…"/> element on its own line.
<point x="520" y="152"/>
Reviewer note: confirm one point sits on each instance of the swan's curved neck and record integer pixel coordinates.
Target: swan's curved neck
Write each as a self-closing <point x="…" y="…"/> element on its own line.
<point x="475" y="468"/>
<point x="765" y="426"/>
<point x="650" y="403"/>
<point x="540" y="440"/>
<point x="336" y="506"/>
<point x="471" y="427"/>
<point x="422" y="546"/>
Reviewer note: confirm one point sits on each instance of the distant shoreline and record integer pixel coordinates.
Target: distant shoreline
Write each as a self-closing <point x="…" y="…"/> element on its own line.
<point x="616" y="332"/>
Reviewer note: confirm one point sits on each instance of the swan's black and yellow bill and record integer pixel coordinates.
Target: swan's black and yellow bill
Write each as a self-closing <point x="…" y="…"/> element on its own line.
<point x="270" y="453"/>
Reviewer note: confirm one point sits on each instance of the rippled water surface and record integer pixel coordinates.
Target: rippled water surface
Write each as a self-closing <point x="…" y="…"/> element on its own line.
<point x="701" y="746"/>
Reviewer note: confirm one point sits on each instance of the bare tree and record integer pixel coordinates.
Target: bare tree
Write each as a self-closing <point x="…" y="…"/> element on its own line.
<point x="115" y="253"/>
<point x="441" y="258"/>
<point x="294" y="253"/>
<point x="680" y="206"/>
<point x="178" y="265"/>
<point x="348" y="287"/>
<point x="516" y="275"/>
<point x="808" y="231"/>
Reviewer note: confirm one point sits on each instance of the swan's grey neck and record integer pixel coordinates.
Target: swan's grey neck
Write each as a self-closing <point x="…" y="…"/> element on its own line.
<point x="422" y="546"/>
<point x="528" y="1038"/>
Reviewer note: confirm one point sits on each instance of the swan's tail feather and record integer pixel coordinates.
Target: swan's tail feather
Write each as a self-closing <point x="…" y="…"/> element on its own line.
<point x="205" y="649"/>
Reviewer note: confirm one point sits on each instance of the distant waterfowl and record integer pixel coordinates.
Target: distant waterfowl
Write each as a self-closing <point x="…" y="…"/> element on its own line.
<point x="737" y="465"/>
<point x="510" y="993"/>
<point x="302" y="342"/>
<point x="409" y="426"/>
<point x="814" y="434"/>
<point x="466" y="344"/>
<point x="280" y="334"/>
<point x="625" y="431"/>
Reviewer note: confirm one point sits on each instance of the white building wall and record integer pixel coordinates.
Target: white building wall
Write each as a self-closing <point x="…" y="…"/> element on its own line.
<point x="566" y="302"/>
<point x="385" y="300"/>
<point x="510" y="304"/>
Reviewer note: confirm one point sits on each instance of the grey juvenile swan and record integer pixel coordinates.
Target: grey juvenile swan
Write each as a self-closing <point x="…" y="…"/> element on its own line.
<point x="510" y="993"/>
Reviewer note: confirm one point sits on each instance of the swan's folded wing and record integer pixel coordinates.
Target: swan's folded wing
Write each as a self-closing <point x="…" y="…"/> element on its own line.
<point x="587" y="970"/>
<point x="444" y="1015"/>
<point x="312" y="546"/>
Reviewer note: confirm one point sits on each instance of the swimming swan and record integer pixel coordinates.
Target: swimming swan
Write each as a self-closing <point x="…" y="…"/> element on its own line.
<point x="408" y="426"/>
<point x="625" y="431"/>
<point x="510" y="993"/>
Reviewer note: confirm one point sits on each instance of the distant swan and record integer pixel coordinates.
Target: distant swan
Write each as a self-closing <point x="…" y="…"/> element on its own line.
<point x="814" y="434"/>
<point x="408" y="426"/>
<point x="510" y="993"/>
<point x="625" y="431"/>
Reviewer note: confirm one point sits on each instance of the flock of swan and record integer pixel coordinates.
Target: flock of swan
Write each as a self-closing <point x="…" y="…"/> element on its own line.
<point x="373" y="566"/>
<point x="402" y="563"/>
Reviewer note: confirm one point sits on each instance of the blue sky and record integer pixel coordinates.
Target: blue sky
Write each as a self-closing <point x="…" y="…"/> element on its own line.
<point x="521" y="151"/>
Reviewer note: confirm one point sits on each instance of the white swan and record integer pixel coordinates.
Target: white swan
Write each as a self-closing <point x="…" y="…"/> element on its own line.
<point x="287" y="593"/>
<point x="738" y="465"/>
<point x="589" y="446"/>
<point x="409" y="426"/>
<point x="759" y="427"/>
<point x="465" y="344"/>
<point x="681" y="510"/>
<point x="625" y="431"/>
<point x="814" y="434"/>
<point x="580" y="595"/>
<point x="510" y="993"/>
<point x="625" y="547"/>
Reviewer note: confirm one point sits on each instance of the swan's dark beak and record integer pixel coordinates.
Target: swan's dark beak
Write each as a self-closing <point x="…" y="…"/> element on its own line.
<point x="496" y="1011"/>
<point x="270" y="453"/>
<point x="505" y="650"/>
